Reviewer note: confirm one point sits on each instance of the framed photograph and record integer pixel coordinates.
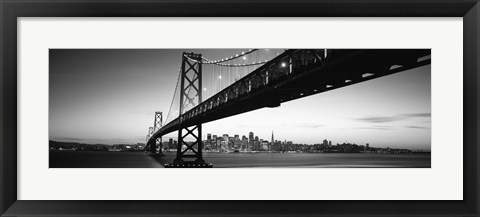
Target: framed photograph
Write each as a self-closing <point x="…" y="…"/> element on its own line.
<point x="268" y="108"/>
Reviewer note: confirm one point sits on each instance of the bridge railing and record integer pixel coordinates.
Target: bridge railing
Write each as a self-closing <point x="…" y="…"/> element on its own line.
<point x="265" y="76"/>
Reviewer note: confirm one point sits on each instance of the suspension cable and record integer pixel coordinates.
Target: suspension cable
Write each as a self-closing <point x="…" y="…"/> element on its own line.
<point x="217" y="62"/>
<point x="228" y="58"/>
<point x="174" y="93"/>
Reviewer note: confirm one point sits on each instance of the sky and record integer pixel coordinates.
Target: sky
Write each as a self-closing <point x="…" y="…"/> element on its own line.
<point x="110" y="97"/>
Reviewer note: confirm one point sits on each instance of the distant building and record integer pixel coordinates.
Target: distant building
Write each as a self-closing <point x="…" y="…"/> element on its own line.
<point x="256" y="145"/>
<point x="244" y="142"/>
<point x="218" y="144"/>
<point x="209" y="138"/>
<point x="214" y="142"/>
<point x="223" y="146"/>
<point x="140" y="146"/>
<point x="250" y="141"/>
<point x="231" y="143"/>
<point x="225" y="138"/>
<point x="237" y="143"/>
<point x="264" y="145"/>
<point x="325" y="143"/>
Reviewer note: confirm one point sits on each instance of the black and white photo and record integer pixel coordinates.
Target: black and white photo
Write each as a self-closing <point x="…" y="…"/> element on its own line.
<point x="239" y="108"/>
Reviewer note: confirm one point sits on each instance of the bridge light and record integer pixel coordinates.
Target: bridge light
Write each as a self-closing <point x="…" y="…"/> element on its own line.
<point x="367" y="75"/>
<point x="284" y="64"/>
<point x="219" y="77"/>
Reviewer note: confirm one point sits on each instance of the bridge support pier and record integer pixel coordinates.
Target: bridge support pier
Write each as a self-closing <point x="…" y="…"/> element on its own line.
<point x="151" y="146"/>
<point x="191" y="150"/>
<point x="152" y="150"/>
<point x="157" y="124"/>
<point x="190" y="96"/>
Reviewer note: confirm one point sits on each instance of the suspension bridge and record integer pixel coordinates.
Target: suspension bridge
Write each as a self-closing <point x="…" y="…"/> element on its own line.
<point x="209" y="90"/>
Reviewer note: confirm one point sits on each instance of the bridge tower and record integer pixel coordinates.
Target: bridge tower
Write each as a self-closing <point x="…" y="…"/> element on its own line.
<point x="190" y="96"/>
<point x="157" y="124"/>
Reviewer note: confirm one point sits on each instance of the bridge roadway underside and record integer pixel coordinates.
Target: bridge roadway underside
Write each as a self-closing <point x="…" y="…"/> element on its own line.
<point x="343" y="68"/>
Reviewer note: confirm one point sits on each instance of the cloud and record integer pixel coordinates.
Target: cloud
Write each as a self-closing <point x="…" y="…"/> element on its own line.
<point x="418" y="127"/>
<point x="375" y="127"/>
<point x="386" y="119"/>
<point x="308" y="125"/>
<point x="414" y="115"/>
<point x="379" y="119"/>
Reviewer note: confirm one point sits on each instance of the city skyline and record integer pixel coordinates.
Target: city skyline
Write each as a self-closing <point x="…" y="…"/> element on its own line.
<point x="220" y="136"/>
<point x="230" y="136"/>
<point x="110" y="96"/>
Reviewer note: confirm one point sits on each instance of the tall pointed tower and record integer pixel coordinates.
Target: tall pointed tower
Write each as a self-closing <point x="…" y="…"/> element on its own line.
<point x="271" y="143"/>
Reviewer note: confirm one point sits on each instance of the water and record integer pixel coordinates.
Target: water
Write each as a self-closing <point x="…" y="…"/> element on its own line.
<point x="100" y="159"/>
<point x="97" y="159"/>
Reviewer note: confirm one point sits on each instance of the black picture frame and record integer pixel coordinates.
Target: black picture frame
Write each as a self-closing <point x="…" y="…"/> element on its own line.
<point x="10" y="10"/>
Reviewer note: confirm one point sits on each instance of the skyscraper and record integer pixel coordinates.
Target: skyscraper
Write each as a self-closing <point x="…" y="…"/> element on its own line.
<point x="209" y="139"/>
<point x="214" y="142"/>
<point x="250" y="141"/>
<point x="237" y="143"/>
<point x="244" y="142"/>
<point x="209" y="136"/>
